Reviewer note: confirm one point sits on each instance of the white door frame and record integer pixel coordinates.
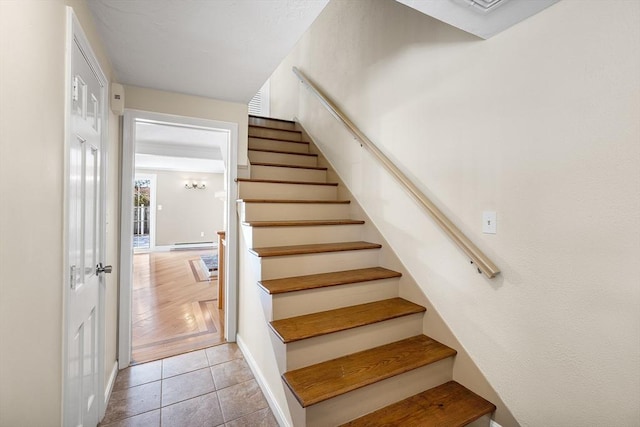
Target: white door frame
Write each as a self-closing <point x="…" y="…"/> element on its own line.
<point x="126" y="221"/>
<point x="74" y="33"/>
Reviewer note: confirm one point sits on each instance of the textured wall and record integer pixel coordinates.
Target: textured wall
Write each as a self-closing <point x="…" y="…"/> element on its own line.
<point x="539" y="123"/>
<point x="186" y="213"/>
<point x="32" y="93"/>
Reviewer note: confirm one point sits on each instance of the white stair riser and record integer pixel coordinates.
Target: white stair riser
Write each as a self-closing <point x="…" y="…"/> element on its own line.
<point x="269" y="190"/>
<point x="367" y="399"/>
<point x="272" y="144"/>
<point x="274" y="133"/>
<point x="288" y="174"/>
<point x="259" y="121"/>
<point x="484" y="421"/>
<point x="297" y="303"/>
<point x="285" y="159"/>
<point x="326" y="347"/>
<point x="291" y="211"/>
<point x="299" y="265"/>
<point x="282" y="236"/>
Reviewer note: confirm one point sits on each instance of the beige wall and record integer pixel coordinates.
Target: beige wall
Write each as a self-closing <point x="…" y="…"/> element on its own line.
<point x="187" y="213"/>
<point x="539" y="123"/>
<point x="158" y="101"/>
<point x="32" y="75"/>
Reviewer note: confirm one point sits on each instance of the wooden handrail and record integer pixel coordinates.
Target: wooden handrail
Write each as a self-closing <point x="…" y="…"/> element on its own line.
<point x="482" y="262"/>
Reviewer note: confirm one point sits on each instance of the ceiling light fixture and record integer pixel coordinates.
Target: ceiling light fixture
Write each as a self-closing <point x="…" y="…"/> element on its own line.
<point x="485" y="6"/>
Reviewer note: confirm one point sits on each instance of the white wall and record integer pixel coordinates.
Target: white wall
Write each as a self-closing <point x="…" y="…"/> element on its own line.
<point x="32" y="75"/>
<point x="187" y="213"/>
<point x="539" y="123"/>
<point x="158" y="101"/>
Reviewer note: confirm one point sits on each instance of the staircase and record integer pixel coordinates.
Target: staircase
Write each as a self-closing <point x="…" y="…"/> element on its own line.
<point x="350" y="350"/>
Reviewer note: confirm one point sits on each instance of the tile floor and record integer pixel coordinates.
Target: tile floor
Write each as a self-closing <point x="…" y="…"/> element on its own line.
<point x="211" y="387"/>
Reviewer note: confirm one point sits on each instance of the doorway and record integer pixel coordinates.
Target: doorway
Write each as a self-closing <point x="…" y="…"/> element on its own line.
<point x="175" y="282"/>
<point x="167" y="188"/>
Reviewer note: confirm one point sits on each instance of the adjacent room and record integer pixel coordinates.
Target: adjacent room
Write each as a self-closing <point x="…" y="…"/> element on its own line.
<point x="178" y="217"/>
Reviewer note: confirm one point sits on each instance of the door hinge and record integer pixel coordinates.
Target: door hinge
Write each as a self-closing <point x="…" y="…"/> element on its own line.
<point x="74" y="95"/>
<point x="73" y="276"/>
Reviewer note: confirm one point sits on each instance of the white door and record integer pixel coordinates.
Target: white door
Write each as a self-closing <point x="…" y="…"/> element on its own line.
<point x="82" y="385"/>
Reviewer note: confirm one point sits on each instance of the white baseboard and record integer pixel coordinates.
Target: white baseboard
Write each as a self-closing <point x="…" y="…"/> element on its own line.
<point x="191" y="246"/>
<point x="494" y="424"/>
<point x="273" y="404"/>
<point x="110" y="383"/>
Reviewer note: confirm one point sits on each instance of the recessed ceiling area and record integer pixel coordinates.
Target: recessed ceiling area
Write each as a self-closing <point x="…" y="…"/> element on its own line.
<point x="483" y="18"/>
<point x="222" y="49"/>
<point x="171" y="147"/>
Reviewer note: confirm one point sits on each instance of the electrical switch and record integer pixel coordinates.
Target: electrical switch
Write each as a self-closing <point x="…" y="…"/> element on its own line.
<point x="489" y="222"/>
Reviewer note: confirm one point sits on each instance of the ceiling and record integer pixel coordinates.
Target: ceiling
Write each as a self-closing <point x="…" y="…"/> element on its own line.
<point x="227" y="49"/>
<point x="222" y="49"/>
<point x="483" y="18"/>
<point x="171" y="147"/>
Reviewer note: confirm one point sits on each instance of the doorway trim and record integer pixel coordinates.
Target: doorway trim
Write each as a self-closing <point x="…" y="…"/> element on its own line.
<point x="76" y="34"/>
<point x="131" y="117"/>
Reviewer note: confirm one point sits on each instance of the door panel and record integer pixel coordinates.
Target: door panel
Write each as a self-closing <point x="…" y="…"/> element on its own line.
<point x="82" y="391"/>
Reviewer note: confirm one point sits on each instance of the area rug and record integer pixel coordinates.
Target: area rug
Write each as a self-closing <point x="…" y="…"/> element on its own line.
<point x="205" y="267"/>
<point x="210" y="262"/>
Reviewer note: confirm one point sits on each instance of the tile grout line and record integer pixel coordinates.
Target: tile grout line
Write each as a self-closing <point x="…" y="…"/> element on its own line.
<point x="250" y="413"/>
<point x="161" y="384"/>
<point x="215" y="389"/>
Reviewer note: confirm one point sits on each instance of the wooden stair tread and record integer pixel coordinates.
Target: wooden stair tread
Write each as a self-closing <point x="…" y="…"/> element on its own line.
<point x="313" y="248"/>
<point x="336" y="202"/>
<point x="264" y="150"/>
<point x="340" y="319"/>
<point x="449" y="404"/>
<point x="281" y="165"/>
<point x="323" y="280"/>
<point x="279" y="181"/>
<point x="271" y="118"/>
<point x="303" y="222"/>
<point x="272" y="128"/>
<point x="317" y="383"/>
<point x="278" y="139"/>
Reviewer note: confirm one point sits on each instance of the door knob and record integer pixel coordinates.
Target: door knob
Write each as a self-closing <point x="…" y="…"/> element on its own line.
<point x="103" y="268"/>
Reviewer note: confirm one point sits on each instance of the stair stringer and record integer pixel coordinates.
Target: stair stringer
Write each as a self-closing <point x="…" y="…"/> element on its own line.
<point x="254" y="334"/>
<point x="465" y="371"/>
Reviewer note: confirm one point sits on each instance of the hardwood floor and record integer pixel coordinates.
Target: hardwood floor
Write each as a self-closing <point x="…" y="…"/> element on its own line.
<point x="175" y="308"/>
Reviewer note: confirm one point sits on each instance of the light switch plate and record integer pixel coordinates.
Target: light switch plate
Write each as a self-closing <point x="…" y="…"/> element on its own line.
<point x="489" y="222"/>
